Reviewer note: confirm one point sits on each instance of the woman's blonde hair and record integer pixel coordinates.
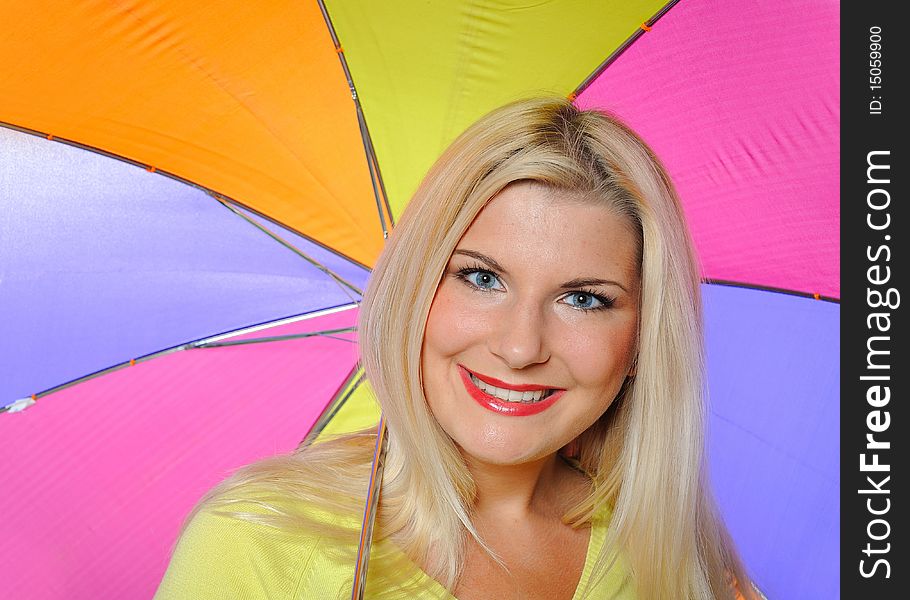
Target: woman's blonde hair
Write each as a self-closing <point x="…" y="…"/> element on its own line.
<point x="645" y="454"/>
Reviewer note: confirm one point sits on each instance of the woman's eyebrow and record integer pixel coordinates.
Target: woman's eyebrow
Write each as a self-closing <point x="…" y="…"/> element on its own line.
<point x="578" y="282"/>
<point x="591" y="281"/>
<point x="483" y="258"/>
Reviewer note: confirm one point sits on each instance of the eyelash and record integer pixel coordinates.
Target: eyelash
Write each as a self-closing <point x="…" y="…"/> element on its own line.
<point x="463" y="274"/>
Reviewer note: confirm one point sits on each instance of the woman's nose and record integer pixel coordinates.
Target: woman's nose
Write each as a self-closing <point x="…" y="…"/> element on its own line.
<point x="518" y="337"/>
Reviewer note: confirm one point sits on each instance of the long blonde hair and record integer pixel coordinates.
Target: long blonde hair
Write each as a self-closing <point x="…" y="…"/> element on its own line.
<point x="645" y="454"/>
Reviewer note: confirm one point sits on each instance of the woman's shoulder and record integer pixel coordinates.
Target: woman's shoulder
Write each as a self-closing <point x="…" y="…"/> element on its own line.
<point x="231" y="554"/>
<point x="273" y="531"/>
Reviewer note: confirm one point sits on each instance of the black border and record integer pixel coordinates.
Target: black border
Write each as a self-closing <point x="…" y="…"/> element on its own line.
<point x="861" y="133"/>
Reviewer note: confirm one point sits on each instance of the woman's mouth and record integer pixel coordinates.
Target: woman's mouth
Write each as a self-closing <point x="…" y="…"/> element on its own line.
<point x="514" y="400"/>
<point x="510" y="395"/>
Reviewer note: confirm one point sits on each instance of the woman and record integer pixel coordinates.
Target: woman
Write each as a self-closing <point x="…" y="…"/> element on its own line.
<point x="532" y="332"/>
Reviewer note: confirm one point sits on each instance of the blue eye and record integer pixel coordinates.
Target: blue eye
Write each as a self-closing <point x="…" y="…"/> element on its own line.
<point x="480" y="278"/>
<point x="483" y="280"/>
<point x="587" y="301"/>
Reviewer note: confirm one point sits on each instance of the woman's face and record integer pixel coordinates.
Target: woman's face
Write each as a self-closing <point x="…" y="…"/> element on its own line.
<point x="532" y="330"/>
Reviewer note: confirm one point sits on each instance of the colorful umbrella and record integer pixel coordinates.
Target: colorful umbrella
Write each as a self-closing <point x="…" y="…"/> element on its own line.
<point x="176" y="178"/>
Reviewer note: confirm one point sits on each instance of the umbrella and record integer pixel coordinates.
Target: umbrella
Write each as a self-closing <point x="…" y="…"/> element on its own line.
<point x="175" y="177"/>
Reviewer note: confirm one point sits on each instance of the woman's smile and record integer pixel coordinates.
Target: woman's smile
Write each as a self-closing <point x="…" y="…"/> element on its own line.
<point x="512" y="400"/>
<point x="533" y="327"/>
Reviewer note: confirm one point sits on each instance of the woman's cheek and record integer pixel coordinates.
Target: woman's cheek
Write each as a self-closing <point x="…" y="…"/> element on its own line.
<point x="458" y="316"/>
<point x="601" y="356"/>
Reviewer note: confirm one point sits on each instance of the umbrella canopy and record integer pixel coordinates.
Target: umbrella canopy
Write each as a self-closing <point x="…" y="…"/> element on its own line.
<point x="174" y="173"/>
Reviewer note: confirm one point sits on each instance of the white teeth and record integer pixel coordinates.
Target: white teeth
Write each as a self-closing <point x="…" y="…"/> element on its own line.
<point x="510" y="395"/>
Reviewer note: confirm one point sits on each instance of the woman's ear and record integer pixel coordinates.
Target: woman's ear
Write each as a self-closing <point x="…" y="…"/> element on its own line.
<point x="571" y="450"/>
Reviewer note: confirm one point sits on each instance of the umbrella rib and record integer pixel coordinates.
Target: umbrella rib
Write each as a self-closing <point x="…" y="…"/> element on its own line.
<point x="335" y="337"/>
<point x="369" y="514"/>
<point x="379" y="190"/>
<point x="345" y="285"/>
<point x="364" y="135"/>
<point x="277" y="322"/>
<point x="169" y="175"/>
<point x="371" y="150"/>
<point x="621" y="48"/>
<point x="280" y="338"/>
<point x="768" y="288"/>
<point x="186" y="346"/>
<point x="378" y="463"/>
<point x="354" y="379"/>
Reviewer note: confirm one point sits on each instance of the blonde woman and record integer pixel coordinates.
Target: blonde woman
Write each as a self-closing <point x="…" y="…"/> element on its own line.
<point x="532" y="332"/>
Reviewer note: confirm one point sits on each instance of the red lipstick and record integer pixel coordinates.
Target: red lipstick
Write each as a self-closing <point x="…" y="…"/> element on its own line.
<point x="502" y="407"/>
<point x="508" y="386"/>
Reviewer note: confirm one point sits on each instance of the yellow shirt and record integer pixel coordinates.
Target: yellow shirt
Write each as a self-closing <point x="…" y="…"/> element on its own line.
<point x="222" y="557"/>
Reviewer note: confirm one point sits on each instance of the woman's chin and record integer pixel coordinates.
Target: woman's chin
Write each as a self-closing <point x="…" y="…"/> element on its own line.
<point x="502" y="454"/>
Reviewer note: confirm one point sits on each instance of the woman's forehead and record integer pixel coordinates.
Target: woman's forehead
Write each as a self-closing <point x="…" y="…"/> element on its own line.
<point x="529" y="222"/>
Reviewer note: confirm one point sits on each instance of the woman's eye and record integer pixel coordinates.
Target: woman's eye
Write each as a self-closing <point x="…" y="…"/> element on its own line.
<point x="587" y="301"/>
<point x="484" y="280"/>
